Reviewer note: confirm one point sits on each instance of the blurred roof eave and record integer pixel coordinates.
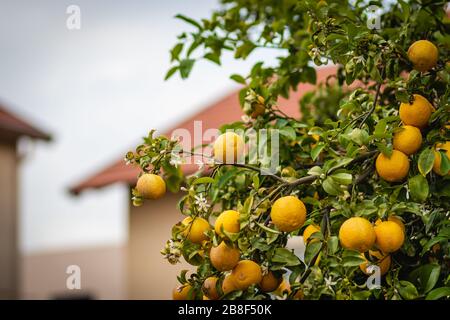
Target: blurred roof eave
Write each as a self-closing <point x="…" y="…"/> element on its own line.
<point x="13" y="127"/>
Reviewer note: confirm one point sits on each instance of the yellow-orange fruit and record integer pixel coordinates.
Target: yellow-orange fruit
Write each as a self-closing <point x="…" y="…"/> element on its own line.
<point x="288" y="213"/>
<point x="246" y="273"/>
<point x="229" y="220"/>
<point x="357" y="234"/>
<point x="151" y="186"/>
<point x="417" y="113"/>
<point x="394" y="168"/>
<point x="224" y="257"/>
<point x="408" y="140"/>
<point x="389" y="236"/>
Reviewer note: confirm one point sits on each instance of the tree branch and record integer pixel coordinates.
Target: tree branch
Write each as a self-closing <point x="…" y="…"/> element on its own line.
<point x="375" y="100"/>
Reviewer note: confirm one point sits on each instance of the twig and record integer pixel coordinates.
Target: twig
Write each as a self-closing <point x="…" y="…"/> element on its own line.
<point x="375" y="100"/>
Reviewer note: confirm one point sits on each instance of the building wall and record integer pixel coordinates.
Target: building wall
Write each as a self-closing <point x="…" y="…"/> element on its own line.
<point x="8" y="220"/>
<point x="150" y="276"/>
<point x="102" y="271"/>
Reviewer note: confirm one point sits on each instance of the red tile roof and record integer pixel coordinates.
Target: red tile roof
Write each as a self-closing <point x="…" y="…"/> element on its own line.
<point x="225" y="110"/>
<point x="12" y="127"/>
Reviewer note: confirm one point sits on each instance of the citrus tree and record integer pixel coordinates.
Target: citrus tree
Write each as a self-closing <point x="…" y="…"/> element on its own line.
<point x="363" y="174"/>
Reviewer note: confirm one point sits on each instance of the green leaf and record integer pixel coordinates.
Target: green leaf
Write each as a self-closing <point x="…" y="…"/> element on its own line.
<point x="331" y="187"/>
<point x="212" y="57"/>
<point x="311" y="250"/>
<point x="384" y="149"/>
<point x="189" y="20"/>
<point x="438" y="293"/>
<point x="288" y="132"/>
<point x="262" y="226"/>
<point x="352" y="261"/>
<point x="407" y="290"/>
<point x="418" y="186"/>
<point x="203" y="180"/>
<point x="333" y="245"/>
<point x="445" y="163"/>
<point x="426" y="276"/>
<point x="342" y="178"/>
<point x="380" y="129"/>
<point x="175" y="52"/>
<point x="171" y="72"/>
<point x="317" y="150"/>
<point x="359" y="136"/>
<point x="285" y="257"/>
<point x="186" y="67"/>
<point x="238" y="78"/>
<point x="426" y="161"/>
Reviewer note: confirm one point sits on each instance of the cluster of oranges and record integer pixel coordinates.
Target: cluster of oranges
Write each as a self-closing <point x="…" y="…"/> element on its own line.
<point x="287" y="213"/>
<point x="415" y="116"/>
<point x="380" y="240"/>
<point x="225" y="257"/>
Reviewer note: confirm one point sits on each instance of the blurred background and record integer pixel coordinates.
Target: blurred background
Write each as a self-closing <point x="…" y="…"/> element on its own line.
<point x="73" y="101"/>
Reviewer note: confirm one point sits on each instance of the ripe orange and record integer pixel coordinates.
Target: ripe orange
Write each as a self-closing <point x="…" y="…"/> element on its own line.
<point x="389" y="236"/>
<point x="423" y="54"/>
<point x="309" y="231"/>
<point x="223" y="257"/>
<point x="229" y="219"/>
<point x="151" y="186"/>
<point x="246" y="273"/>
<point x="269" y="282"/>
<point x="195" y="229"/>
<point x="283" y="288"/>
<point x="392" y="169"/>
<point x="228" y="284"/>
<point x="288" y="213"/>
<point x="258" y="110"/>
<point x="357" y="234"/>
<point x="183" y="292"/>
<point x="395" y="219"/>
<point x="437" y="157"/>
<point x="228" y="148"/>
<point x="417" y="113"/>
<point x="408" y="140"/>
<point x="382" y="261"/>
<point x="209" y="288"/>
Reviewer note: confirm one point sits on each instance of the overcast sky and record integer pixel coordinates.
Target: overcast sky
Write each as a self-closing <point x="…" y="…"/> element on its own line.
<point x="97" y="90"/>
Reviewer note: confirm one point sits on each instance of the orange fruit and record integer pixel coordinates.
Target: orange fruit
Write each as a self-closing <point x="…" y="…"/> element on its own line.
<point x="229" y="219"/>
<point x="228" y="148"/>
<point x="246" y="273"/>
<point x="288" y="213"/>
<point x="394" y="168"/>
<point x="382" y="261"/>
<point x="417" y="113"/>
<point x="395" y="219"/>
<point x="209" y="288"/>
<point x="408" y="140"/>
<point x="389" y="236"/>
<point x="357" y="234"/>
<point x="228" y="284"/>
<point x="223" y="257"/>
<point x="183" y="292"/>
<point x="423" y="54"/>
<point x="151" y="186"/>
<point x="309" y="231"/>
<point x="195" y="229"/>
<point x="269" y="282"/>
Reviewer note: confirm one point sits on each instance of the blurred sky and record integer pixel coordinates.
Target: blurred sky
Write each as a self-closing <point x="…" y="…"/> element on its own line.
<point x="97" y="91"/>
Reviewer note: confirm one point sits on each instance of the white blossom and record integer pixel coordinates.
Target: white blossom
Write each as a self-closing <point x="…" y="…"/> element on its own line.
<point x="201" y="202"/>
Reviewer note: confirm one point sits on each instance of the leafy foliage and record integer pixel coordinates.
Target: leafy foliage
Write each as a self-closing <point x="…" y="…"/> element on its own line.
<point x="326" y="157"/>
